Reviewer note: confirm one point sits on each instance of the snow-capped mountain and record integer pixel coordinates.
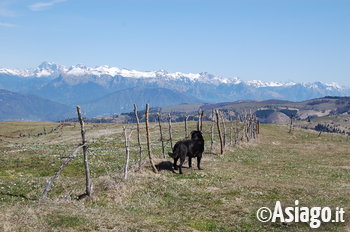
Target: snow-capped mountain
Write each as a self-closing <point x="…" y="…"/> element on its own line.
<point x="46" y="69"/>
<point x="80" y="84"/>
<point x="52" y="70"/>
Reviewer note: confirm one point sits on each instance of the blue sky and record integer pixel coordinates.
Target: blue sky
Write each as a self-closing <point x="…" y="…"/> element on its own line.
<point x="270" y="40"/>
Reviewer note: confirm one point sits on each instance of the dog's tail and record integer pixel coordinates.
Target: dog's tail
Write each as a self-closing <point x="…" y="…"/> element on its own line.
<point x="172" y="155"/>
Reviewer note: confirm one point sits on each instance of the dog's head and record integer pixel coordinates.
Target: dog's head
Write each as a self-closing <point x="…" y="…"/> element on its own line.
<point x="196" y="135"/>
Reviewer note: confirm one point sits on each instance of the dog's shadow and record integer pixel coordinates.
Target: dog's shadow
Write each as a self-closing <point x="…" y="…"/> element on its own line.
<point x="165" y="166"/>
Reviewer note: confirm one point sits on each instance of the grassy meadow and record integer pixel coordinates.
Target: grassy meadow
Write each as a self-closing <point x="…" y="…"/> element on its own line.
<point x="223" y="197"/>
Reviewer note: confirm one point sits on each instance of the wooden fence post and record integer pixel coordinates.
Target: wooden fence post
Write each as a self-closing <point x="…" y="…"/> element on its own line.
<point x="186" y="129"/>
<point x="170" y="132"/>
<point x="138" y="135"/>
<point x="86" y="162"/>
<point x="224" y="125"/>
<point x="161" y="134"/>
<point x="198" y="121"/>
<point x="250" y="127"/>
<point x="201" y="113"/>
<point x="219" y="130"/>
<point x="291" y="124"/>
<point x="127" y="153"/>
<point x="148" y="141"/>
<point x="237" y="133"/>
<point x="246" y="128"/>
<point x="212" y="131"/>
<point x="254" y="127"/>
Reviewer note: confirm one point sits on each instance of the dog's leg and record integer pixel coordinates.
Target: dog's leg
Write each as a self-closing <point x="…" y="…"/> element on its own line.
<point x="199" y="157"/>
<point x="182" y="161"/>
<point x="175" y="161"/>
<point x="190" y="162"/>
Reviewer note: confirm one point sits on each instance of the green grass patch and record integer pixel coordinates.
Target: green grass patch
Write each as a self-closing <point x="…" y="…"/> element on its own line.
<point x="203" y="224"/>
<point x="65" y="221"/>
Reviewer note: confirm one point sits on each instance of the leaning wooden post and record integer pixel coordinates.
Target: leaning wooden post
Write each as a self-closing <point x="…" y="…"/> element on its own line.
<point x="148" y="141"/>
<point x="220" y="137"/>
<point x="86" y="162"/>
<point x="127" y="153"/>
<point x="186" y="129"/>
<point x="161" y="134"/>
<point x="170" y="131"/>
<point x="138" y="135"/>
<point x="49" y="183"/>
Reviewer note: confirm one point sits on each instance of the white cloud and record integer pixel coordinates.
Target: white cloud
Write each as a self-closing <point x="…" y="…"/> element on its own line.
<point x="44" y="5"/>
<point x="2" y="24"/>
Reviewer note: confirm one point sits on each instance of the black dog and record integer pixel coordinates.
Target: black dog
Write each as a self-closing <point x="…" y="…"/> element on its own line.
<point x="193" y="147"/>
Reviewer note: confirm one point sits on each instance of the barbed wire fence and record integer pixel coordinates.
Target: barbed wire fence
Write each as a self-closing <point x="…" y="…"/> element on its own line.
<point x="137" y="138"/>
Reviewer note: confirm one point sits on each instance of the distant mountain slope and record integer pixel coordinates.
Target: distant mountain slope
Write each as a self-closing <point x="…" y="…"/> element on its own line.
<point x="14" y="106"/>
<point x="276" y="117"/>
<point x="123" y="100"/>
<point x="268" y="111"/>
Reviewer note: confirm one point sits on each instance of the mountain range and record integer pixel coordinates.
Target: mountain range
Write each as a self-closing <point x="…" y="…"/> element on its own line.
<point x="107" y="90"/>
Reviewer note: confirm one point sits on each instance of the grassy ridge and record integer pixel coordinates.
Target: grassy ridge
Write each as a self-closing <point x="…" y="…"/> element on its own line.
<point x="223" y="197"/>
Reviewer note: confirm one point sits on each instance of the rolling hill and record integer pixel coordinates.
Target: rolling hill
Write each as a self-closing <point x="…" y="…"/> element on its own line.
<point x="14" y="106"/>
